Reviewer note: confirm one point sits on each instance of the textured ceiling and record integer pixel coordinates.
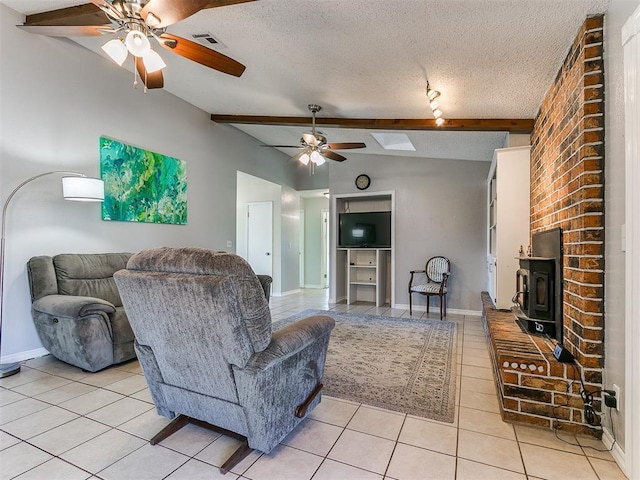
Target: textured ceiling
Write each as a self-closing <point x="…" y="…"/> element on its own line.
<point x="372" y="59"/>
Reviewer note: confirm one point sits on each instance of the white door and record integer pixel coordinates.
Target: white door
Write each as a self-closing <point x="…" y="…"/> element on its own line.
<point x="260" y="237"/>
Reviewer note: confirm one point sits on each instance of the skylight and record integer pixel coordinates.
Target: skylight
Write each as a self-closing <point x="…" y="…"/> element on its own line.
<point x="394" y="141"/>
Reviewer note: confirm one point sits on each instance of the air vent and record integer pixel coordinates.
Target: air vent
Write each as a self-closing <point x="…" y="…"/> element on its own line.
<point x="208" y="40"/>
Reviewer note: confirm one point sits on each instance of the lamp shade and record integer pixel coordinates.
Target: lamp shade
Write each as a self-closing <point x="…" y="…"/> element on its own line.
<point x="432" y="94"/>
<point x="137" y="43"/>
<point x="83" y="189"/>
<point x="153" y="62"/>
<point x="116" y="50"/>
<point x="304" y="158"/>
<point x="317" y="158"/>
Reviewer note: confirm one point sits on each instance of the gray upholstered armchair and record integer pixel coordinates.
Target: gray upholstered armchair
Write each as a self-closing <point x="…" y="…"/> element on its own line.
<point x="77" y="310"/>
<point x="204" y="340"/>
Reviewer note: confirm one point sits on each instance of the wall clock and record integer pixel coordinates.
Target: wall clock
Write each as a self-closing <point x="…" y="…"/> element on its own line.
<point x="363" y="181"/>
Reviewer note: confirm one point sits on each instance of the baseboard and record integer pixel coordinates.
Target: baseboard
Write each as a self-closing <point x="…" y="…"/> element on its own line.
<point x="455" y="311"/>
<point x="26" y="355"/>
<point x="288" y="292"/>
<point x="616" y="452"/>
<point x="471" y="313"/>
<point x="313" y="286"/>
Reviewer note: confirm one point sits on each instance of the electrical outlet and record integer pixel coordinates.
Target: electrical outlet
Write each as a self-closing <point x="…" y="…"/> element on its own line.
<point x="229" y="243"/>
<point x="616" y="389"/>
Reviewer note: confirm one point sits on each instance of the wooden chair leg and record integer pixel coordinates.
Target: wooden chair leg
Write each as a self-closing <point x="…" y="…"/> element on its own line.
<point x="239" y="455"/>
<point x="301" y="410"/>
<point x="410" y="303"/>
<point x="445" y="305"/>
<point x="428" y="298"/>
<point x="440" y="307"/>
<point x="181" y="420"/>
<point x="175" y="425"/>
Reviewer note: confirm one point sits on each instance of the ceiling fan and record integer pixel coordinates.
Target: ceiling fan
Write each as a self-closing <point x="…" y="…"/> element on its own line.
<point x="314" y="146"/>
<point x="135" y="22"/>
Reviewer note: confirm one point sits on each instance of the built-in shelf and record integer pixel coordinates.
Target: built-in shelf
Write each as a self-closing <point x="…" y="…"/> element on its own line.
<point x="507" y="221"/>
<point x="367" y="274"/>
<point x="362" y="274"/>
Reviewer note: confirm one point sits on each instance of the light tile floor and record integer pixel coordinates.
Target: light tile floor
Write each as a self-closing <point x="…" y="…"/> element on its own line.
<point x="57" y="422"/>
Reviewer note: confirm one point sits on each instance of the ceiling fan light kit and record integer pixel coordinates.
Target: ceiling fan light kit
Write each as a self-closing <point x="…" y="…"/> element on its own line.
<point x="432" y="95"/>
<point x="116" y="50"/>
<point x="137" y="43"/>
<point x="153" y="61"/>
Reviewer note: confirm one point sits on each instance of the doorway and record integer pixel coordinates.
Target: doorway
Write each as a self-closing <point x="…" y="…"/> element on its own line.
<point x="260" y="237"/>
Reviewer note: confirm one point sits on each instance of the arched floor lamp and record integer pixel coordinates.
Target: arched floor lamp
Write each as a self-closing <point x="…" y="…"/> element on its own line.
<point x="76" y="187"/>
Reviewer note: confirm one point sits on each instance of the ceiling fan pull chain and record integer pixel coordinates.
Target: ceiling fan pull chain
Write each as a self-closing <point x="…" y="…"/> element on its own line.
<point x="135" y="73"/>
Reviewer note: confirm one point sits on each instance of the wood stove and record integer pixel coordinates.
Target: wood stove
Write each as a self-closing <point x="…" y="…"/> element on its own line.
<point x="538" y="298"/>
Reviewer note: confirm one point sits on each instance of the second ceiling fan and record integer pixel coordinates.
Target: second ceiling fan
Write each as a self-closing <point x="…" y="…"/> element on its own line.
<point x="314" y="146"/>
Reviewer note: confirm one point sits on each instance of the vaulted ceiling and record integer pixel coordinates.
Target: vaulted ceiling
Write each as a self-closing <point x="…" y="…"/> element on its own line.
<point x="371" y="59"/>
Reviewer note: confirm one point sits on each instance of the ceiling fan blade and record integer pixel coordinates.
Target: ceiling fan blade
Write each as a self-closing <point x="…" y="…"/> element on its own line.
<point x="202" y="55"/>
<point x="167" y="12"/>
<point x="346" y="146"/>
<point x="68" y="31"/>
<point x="151" y="80"/>
<point x="332" y="155"/>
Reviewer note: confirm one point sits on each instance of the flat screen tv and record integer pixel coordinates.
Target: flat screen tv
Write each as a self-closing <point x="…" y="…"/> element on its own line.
<point x="364" y="230"/>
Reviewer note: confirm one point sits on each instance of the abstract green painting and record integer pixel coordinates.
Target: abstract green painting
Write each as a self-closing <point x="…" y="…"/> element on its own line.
<point x="142" y="186"/>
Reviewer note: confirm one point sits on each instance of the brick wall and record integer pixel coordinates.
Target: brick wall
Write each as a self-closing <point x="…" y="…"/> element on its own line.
<point x="567" y="191"/>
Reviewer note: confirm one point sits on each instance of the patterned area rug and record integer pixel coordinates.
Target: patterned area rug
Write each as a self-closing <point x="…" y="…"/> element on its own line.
<point x="405" y="365"/>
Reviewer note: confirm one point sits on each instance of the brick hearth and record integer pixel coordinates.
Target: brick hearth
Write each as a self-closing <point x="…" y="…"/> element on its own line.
<point x="533" y="387"/>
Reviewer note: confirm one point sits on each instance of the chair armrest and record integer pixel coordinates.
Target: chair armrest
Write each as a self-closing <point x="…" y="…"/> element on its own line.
<point x="265" y="281"/>
<point x="413" y="272"/>
<point x="72" y="306"/>
<point x="290" y="340"/>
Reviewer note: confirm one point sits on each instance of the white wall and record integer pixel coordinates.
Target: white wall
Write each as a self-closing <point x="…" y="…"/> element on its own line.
<point x="440" y="210"/>
<point x="289" y="248"/>
<point x="313" y="208"/>
<point x="616" y="16"/>
<point x="250" y="189"/>
<point x="56" y="100"/>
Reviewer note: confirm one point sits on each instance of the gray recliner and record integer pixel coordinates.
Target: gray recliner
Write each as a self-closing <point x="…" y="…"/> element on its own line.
<point x="204" y="340"/>
<point x="77" y="310"/>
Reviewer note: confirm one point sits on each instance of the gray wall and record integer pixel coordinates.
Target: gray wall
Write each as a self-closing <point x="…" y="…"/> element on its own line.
<point x="307" y="181"/>
<point x="440" y="210"/>
<point x="614" y="296"/>
<point x="56" y="100"/>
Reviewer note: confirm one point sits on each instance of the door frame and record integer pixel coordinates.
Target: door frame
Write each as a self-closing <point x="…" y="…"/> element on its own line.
<point x="301" y="252"/>
<point x="325" y="229"/>
<point x="631" y="47"/>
